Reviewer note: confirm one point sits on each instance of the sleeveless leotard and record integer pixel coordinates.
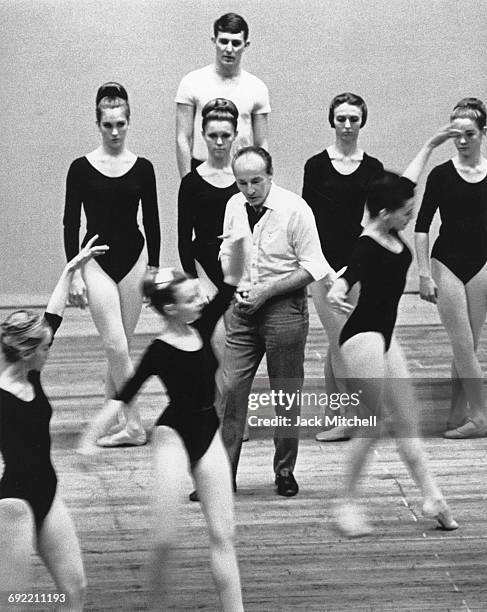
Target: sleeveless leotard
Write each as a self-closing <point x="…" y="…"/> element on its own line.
<point x="25" y="444"/>
<point x="462" y="242"/>
<point x="111" y="205"/>
<point x="337" y="201"/>
<point x="189" y="378"/>
<point x="201" y="208"/>
<point x="382" y="277"/>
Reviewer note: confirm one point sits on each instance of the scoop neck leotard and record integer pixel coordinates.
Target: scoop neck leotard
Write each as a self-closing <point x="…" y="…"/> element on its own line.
<point x="25" y="444"/>
<point x="189" y="378"/>
<point x="382" y="276"/>
<point x="111" y="205"/>
<point x="462" y="242"/>
<point x="338" y="201"/>
<point x="201" y="209"/>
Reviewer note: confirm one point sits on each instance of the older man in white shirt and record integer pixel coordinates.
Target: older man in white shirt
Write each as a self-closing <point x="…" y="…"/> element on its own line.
<point x="270" y="312"/>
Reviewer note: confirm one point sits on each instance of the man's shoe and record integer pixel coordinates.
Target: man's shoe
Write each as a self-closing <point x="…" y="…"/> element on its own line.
<point x="286" y="485"/>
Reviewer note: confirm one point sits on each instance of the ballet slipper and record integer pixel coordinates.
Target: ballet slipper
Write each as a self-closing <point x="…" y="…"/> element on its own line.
<point x="438" y="509"/>
<point x="337" y="434"/>
<point x="451" y="425"/>
<point x="123" y="438"/>
<point x="470" y="429"/>
<point x="115" y="429"/>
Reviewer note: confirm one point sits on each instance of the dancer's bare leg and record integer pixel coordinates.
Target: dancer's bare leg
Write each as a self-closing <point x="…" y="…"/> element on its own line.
<point x="16" y="544"/>
<point x="59" y="548"/>
<point x="463" y="310"/>
<point x="170" y="464"/>
<point x="213" y="479"/>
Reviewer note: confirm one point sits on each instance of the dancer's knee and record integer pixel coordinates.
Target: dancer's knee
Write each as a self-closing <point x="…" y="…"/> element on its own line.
<point x="411" y="449"/>
<point x="117" y="349"/>
<point x="463" y="349"/>
<point x="222" y="534"/>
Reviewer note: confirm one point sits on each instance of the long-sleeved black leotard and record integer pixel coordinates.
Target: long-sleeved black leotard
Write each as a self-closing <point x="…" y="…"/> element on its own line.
<point x="462" y="243"/>
<point x="25" y="444"/>
<point x="111" y="205"/>
<point x="382" y="276"/>
<point x="201" y="208"/>
<point x="189" y="378"/>
<point x="338" y="201"/>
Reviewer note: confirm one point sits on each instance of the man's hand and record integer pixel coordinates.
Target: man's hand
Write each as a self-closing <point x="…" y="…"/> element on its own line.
<point x="254" y="299"/>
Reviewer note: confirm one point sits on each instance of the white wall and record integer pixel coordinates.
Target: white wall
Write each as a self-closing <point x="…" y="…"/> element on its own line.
<point x="411" y="60"/>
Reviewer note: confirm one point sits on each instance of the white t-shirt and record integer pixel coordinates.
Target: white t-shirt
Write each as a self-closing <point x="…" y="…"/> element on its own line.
<point x="249" y="94"/>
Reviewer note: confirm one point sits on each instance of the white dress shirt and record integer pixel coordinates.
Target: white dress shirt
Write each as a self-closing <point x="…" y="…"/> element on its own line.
<point x="285" y="238"/>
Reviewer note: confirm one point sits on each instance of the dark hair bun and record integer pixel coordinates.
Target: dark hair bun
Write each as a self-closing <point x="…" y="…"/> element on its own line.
<point x="111" y="90"/>
<point x="472" y="108"/>
<point x="220" y="104"/>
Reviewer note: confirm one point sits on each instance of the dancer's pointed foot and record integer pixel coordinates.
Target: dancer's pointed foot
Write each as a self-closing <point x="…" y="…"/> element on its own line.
<point x="337" y="434"/>
<point x="124" y="437"/>
<point x="438" y="509"/>
<point x="470" y="429"/>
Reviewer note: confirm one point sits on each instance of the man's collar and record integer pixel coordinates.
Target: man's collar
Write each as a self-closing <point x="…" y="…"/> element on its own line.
<point x="334" y="153"/>
<point x="270" y="201"/>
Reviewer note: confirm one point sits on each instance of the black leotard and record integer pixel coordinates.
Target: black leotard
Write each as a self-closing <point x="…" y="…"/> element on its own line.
<point x="382" y="277"/>
<point x="462" y="243"/>
<point x="189" y="378"/>
<point x="201" y="207"/>
<point x="25" y="444"/>
<point x="111" y="205"/>
<point x="337" y="201"/>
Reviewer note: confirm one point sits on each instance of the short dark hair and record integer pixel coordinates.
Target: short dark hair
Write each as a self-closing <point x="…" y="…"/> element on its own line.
<point x="473" y="108"/>
<point x="220" y="109"/>
<point x="389" y="191"/>
<point x="231" y="22"/>
<point x="111" y="95"/>
<point x="347" y="98"/>
<point x="260" y="151"/>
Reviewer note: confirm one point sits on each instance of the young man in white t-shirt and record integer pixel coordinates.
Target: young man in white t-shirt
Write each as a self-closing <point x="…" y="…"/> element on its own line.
<point x="223" y="79"/>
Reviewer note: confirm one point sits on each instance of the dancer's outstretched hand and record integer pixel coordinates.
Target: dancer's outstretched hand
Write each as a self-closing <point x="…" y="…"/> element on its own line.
<point x="87" y="252"/>
<point x="77" y="291"/>
<point x="446" y="132"/>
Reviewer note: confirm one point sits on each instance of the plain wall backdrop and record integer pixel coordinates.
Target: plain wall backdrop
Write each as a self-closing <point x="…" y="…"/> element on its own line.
<point x="411" y="60"/>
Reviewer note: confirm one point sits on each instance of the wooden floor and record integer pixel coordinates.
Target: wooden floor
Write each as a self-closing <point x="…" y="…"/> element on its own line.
<point x="291" y="558"/>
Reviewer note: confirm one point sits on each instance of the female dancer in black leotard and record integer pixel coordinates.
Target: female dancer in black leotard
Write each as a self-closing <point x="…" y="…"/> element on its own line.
<point x="374" y="361"/>
<point x="25" y="444"/>
<point x="335" y="184"/>
<point x="109" y="183"/>
<point x="202" y="200"/>
<point x="459" y="262"/>
<point x="204" y="193"/>
<point x="183" y="359"/>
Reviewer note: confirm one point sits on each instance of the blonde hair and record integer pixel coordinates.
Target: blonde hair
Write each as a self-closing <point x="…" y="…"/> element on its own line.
<point x="21" y="334"/>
